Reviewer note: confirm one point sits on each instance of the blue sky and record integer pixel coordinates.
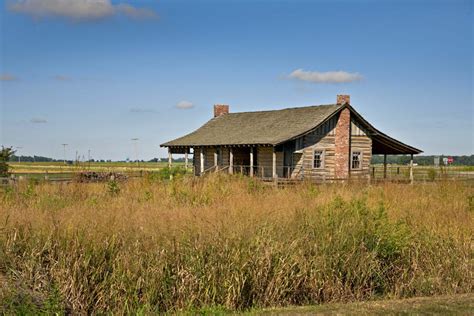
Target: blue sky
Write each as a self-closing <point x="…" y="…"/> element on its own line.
<point x="95" y="77"/>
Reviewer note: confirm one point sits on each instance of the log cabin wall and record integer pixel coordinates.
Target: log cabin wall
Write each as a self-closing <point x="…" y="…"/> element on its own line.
<point x="360" y="141"/>
<point x="322" y="138"/>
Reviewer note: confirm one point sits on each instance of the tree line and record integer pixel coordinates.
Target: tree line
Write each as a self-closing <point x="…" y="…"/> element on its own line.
<point x="376" y="159"/>
<point x="424" y="160"/>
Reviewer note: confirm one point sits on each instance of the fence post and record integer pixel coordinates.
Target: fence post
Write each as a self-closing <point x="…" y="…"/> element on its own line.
<point x="411" y="169"/>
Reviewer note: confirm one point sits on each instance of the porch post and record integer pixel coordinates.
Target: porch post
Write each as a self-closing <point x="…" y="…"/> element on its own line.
<point x="411" y="169"/>
<point x="385" y="166"/>
<point x="231" y="161"/>
<point x="186" y="160"/>
<point x="201" y="160"/>
<point x="215" y="158"/>
<point x="251" y="161"/>
<point x="274" y="169"/>
<point x="170" y="158"/>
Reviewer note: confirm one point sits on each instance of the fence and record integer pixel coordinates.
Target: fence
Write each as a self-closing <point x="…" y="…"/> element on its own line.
<point x="421" y="173"/>
<point x="399" y="173"/>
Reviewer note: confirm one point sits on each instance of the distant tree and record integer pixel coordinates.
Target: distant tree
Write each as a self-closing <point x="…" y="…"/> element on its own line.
<point x="5" y="155"/>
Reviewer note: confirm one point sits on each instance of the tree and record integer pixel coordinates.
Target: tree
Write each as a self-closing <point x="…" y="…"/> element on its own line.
<point x="5" y="155"/>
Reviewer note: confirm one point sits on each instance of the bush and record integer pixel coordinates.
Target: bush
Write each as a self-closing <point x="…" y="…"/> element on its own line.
<point x="5" y="155"/>
<point x="432" y="174"/>
<point x="166" y="173"/>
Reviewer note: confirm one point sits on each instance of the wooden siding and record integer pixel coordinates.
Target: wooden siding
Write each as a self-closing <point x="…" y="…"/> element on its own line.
<point x="304" y="161"/>
<point x="357" y="130"/>
<point x="364" y="144"/>
<point x="321" y="138"/>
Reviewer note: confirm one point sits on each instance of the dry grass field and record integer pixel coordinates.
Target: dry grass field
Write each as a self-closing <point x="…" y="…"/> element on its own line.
<point x="229" y="243"/>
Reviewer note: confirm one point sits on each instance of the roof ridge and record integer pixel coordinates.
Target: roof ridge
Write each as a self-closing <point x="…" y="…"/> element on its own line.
<point x="290" y="108"/>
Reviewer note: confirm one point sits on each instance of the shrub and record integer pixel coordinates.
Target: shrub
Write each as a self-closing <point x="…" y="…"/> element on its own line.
<point x="5" y="155"/>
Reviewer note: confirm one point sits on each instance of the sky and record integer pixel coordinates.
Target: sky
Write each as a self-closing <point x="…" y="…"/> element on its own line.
<point x="97" y="73"/>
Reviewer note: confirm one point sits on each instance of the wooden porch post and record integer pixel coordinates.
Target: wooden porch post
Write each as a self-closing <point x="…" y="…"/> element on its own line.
<point x="201" y="160"/>
<point x="186" y="161"/>
<point x="274" y="169"/>
<point x="385" y="166"/>
<point x="251" y="161"/>
<point x="170" y="158"/>
<point x="411" y="169"/>
<point x="215" y="158"/>
<point x="231" y="161"/>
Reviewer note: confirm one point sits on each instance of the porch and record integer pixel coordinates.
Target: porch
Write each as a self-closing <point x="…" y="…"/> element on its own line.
<point x="271" y="163"/>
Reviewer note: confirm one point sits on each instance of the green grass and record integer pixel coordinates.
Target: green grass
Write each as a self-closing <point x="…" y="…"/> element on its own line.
<point x="462" y="304"/>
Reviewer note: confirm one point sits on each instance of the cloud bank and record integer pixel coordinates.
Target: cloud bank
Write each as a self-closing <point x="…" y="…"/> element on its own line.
<point x="78" y="9"/>
<point x="325" y="77"/>
<point x="37" y="120"/>
<point x="7" y="77"/>
<point x="184" y="105"/>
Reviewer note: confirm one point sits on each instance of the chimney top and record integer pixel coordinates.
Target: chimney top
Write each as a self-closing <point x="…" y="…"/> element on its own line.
<point x="343" y="99"/>
<point x="220" y="109"/>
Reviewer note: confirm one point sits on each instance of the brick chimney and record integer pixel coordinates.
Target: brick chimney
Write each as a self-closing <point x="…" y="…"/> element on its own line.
<point x="220" y="109"/>
<point x="342" y="140"/>
<point x="343" y="99"/>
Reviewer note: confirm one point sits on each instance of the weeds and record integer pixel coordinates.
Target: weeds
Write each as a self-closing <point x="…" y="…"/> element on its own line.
<point x="227" y="243"/>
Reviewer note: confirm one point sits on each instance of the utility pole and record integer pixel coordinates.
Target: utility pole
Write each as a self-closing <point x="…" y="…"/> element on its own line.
<point x="89" y="158"/>
<point x="64" y="151"/>
<point x="135" y="145"/>
<point x="19" y="158"/>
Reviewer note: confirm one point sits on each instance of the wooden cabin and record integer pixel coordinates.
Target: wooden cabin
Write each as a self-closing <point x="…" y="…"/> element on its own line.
<point x="323" y="142"/>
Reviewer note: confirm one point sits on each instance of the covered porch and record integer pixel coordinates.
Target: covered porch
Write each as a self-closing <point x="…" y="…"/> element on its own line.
<point x="263" y="161"/>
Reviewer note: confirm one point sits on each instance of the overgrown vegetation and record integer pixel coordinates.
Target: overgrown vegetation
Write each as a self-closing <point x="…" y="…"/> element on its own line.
<point x="5" y="154"/>
<point x="229" y="243"/>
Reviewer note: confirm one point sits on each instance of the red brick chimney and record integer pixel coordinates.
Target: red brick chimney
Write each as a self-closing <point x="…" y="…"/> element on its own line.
<point x="343" y="99"/>
<point x="342" y="140"/>
<point x="220" y="109"/>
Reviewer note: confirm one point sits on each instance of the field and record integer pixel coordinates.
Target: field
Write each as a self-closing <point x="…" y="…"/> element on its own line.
<point x="58" y="170"/>
<point x="223" y="243"/>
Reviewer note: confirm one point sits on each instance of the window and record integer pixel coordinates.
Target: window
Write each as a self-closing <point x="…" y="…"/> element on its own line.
<point x="318" y="159"/>
<point x="356" y="162"/>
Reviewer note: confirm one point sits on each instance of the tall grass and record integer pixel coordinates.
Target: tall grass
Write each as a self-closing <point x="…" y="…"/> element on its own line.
<point x="229" y="242"/>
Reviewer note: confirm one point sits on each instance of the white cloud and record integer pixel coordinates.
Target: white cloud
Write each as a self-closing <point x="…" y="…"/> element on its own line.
<point x="325" y="77"/>
<point x="37" y="120"/>
<point x="184" y="105"/>
<point x="78" y="9"/>
<point x="62" y="78"/>
<point x="7" y="77"/>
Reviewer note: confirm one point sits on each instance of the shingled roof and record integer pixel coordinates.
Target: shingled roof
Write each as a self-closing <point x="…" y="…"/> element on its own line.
<point x="257" y="128"/>
<point x="278" y="126"/>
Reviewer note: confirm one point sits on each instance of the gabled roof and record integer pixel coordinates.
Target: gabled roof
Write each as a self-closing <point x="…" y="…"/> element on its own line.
<point x="257" y="128"/>
<point x="278" y="126"/>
